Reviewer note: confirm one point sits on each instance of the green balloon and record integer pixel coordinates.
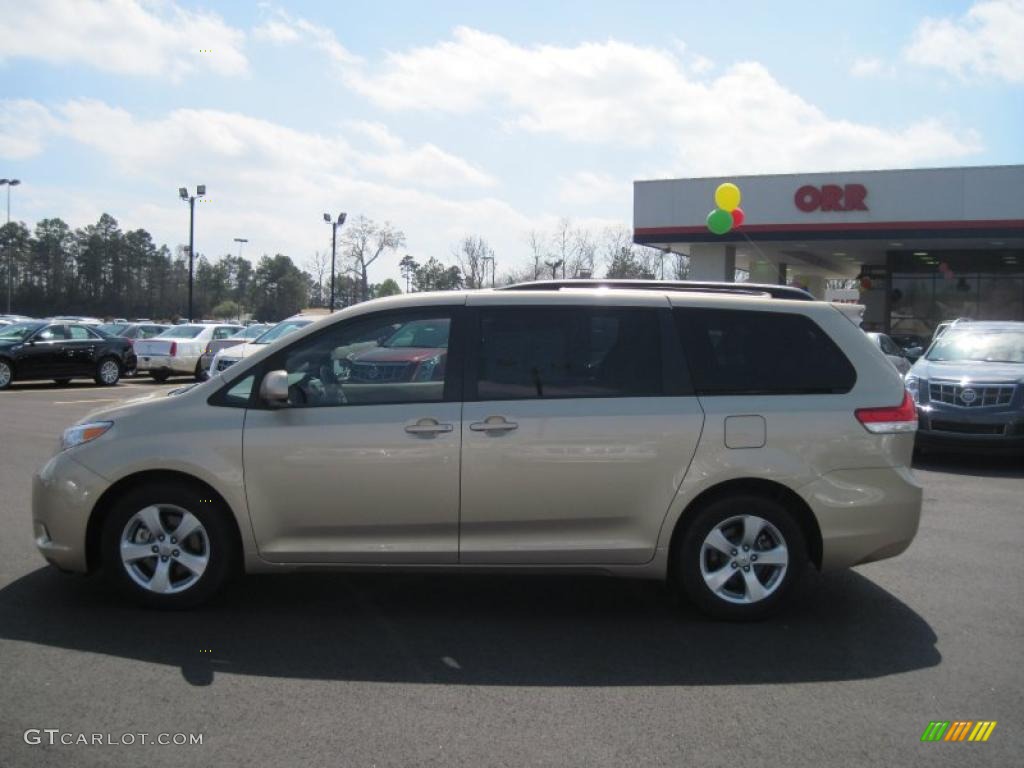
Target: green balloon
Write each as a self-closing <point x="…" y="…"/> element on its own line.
<point x="719" y="221"/>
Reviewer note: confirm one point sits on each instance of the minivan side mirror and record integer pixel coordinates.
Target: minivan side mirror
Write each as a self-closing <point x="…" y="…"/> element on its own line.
<point x="274" y="389"/>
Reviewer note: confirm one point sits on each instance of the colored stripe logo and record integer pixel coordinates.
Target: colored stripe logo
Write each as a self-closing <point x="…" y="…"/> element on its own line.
<point x="958" y="730"/>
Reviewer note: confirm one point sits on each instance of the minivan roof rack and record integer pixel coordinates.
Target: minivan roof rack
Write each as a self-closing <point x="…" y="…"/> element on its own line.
<point x="684" y="286"/>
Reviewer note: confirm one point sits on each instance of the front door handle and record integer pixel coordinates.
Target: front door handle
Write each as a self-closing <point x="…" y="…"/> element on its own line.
<point x="493" y="424"/>
<point x="428" y="427"/>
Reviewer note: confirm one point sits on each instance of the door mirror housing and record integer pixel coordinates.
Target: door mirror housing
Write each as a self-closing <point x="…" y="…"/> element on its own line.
<point x="274" y="389"/>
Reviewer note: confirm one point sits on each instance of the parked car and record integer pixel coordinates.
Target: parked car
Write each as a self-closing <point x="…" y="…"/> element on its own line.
<point x="61" y="351"/>
<point x="248" y="333"/>
<point x="891" y="350"/>
<point x="225" y="358"/>
<point x="133" y="331"/>
<point x="969" y="388"/>
<point x="643" y="433"/>
<point x="178" y="349"/>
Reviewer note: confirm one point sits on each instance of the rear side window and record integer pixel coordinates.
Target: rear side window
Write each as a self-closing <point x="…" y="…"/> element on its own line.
<point x="735" y="352"/>
<point x="530" y="353"/>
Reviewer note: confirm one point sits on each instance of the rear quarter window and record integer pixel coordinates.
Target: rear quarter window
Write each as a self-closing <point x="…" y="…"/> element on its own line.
<point x="743" y="352"/>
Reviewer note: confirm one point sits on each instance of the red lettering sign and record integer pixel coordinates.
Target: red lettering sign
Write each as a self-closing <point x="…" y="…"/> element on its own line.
<point x="831" y="197"/>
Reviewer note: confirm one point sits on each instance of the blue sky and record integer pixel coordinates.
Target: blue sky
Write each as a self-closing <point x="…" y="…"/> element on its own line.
<point x="494" y="119"/>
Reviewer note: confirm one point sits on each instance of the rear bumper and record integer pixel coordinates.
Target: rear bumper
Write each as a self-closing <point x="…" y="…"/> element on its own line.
<point x="64" y="493"/>
<point x="166" y="363"/>
<point x="864" y="514"/>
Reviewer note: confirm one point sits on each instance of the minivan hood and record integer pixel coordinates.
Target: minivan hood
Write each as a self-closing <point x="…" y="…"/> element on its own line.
<point x="996" y="373"/>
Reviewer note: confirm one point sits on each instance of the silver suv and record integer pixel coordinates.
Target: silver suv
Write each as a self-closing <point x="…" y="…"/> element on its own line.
<point x="718" y="440"/>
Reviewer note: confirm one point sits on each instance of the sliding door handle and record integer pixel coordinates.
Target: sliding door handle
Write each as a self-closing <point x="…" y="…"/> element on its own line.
<point x="493" y="424"/>
<point x="428" y="427"/>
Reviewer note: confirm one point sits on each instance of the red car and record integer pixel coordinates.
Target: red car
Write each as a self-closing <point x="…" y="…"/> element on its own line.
<point x="415" y="352"/>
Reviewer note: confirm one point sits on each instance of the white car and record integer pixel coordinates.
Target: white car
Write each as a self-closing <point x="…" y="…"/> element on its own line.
<point x="892" y="351"/>
<point x="227" y="357"/>
<point x="178" y="349"/>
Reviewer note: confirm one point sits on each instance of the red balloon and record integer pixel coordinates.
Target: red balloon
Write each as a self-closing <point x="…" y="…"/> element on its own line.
<point x="737" y="217"/>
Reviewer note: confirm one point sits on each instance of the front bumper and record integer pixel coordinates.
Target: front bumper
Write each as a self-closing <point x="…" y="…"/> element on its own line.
<point x="64" y="494"/>
<point x="996" y="429"/>
<point x="864" y="514"/>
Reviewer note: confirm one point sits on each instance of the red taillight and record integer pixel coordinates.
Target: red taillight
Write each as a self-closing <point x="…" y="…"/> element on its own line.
<point x="174" y="349"/>
<point x="899" y="418"/>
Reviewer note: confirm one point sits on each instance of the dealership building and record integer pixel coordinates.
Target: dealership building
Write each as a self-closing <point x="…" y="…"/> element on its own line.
<point x="923" y="245"/>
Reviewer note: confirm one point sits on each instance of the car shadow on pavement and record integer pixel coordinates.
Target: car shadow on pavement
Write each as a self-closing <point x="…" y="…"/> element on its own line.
<point x="479" y="630"/>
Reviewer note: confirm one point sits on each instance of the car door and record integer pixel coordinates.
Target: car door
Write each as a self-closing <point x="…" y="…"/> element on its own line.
<point x="44" y="356"/>
<point x="359" y="468"/>
<point x="80" y="347"/>
<point x="578" y="427"/>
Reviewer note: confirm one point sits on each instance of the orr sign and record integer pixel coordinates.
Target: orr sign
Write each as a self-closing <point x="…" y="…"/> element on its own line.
<point x="831" y="197"/>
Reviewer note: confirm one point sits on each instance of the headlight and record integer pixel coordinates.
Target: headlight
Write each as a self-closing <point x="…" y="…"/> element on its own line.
<point x="425" y="370"/>
<point x="911" y="383"/>
<point x="83" y="433"/>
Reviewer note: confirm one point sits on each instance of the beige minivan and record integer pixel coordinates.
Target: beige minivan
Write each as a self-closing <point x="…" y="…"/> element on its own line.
<point x="717" y="439"/>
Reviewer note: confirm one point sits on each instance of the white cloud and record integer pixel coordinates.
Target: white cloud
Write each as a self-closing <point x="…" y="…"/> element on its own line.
<point x="24" y="125"/>
<point x="283" y="28"/>
<point x="742" y="121"/>
<point x="159" y="39"/>
<point x="868" y="66"/>
<point x="266" y="181"/>
<point x="986" y="42"/>
<point x="589" y="188"/>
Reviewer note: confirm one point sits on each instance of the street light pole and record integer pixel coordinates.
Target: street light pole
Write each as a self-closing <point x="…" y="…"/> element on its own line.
<point x="10" y="257"/>
<point x="334" y="247"/>
<point x="240" y="240"/>
<point x="191" y="200"/>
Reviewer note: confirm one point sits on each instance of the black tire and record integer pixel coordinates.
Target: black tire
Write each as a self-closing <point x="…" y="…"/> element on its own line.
<point x="199" y="371"/>
<point x="108" y="371"/>
<point x="62" y="382"/>
<point x="160" y="376"/>
<point x="688" y="560"/>
<point x="218" y="546"/>
<point x="6" y="372"/>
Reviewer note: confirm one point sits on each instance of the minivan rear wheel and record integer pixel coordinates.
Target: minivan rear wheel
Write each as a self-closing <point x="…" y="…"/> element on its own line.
<point x="167" y="546"/>
<point x="740" y="558"/>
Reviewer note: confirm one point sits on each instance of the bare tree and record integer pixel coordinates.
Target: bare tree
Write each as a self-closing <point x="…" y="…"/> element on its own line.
<point x="473" y="254"/>
<point x="538" y="243"/>
<point x="364" y="242"/>
<point x="318" y="266"/>
<point x="582" y="255"/>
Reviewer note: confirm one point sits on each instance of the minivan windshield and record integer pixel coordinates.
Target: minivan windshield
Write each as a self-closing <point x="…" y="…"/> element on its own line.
<point x="182" y="332"/>
<point x="989" y="346"/>
<point x="19" y="331"/>
<point x="281" y="329"/>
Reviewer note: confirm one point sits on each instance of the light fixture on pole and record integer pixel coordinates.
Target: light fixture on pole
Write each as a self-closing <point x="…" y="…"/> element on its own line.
<point x="191" y="200"/>
<point x="241" y="241"/>
<point x="10" y="259"/>
<point x="334" y="247"/>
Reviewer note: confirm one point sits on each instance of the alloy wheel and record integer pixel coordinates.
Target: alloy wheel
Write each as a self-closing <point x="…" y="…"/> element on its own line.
<point x="109" y="372"/>
<point x="743" y="559"/>
<point x="5" y="374"/>
<point x="164" y="549"/>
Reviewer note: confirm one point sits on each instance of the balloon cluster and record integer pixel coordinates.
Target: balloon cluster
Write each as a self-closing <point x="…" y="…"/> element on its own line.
<point x="728" y="215"/>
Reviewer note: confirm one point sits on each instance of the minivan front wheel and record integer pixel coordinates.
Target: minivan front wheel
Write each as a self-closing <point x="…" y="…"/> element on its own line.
<point x="740" y="557"/>
<point x="167" y="546"/>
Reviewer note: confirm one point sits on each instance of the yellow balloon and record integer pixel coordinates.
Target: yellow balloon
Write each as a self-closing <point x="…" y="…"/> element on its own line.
<point x="727" y="196"/>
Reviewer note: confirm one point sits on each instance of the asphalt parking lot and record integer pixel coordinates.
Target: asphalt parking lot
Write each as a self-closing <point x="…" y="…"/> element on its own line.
<point x="368" y="670"/>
